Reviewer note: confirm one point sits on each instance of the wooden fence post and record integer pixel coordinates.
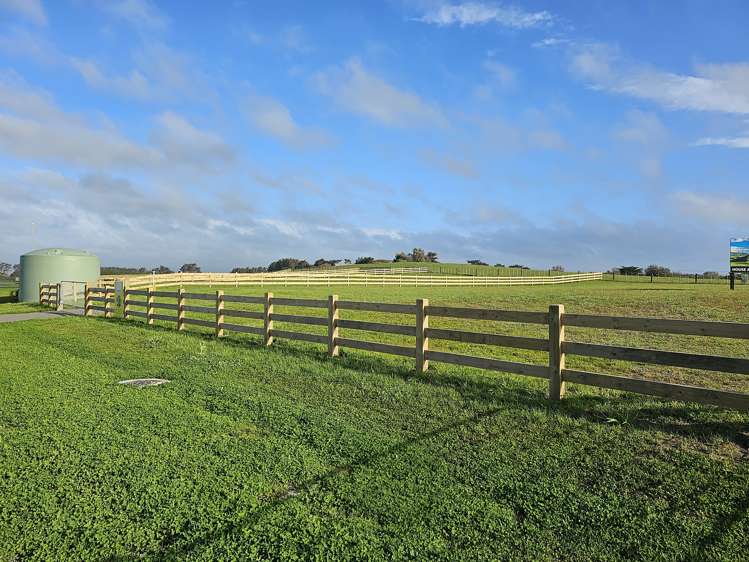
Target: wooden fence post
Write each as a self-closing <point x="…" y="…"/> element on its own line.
<point x="125" y="303"/>
<point x="180" y="309"/>
<point x="219" y="314"/>
<point x="333" y="349"/>
<point x="58" y="300"/>
<point x="267" y="322"/>
<point x="422" y="341"/>
<point x="149" y="306"/>
<point x="556" y="351"/>
<point x="41" y="293"/>
<point x="107" y="309"/>
<point x="87" y="301"/>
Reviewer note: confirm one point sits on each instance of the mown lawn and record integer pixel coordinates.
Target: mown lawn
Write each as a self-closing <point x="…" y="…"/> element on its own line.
<point x="8" y="306"/>
<point x="283" y="453"/>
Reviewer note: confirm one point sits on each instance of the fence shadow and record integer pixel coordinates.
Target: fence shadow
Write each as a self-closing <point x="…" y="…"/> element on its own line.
<point x="489" y="394"/>
<point x="487" y="389"/>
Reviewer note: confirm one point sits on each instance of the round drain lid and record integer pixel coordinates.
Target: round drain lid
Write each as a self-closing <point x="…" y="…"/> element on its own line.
<point x="140" y="383"/>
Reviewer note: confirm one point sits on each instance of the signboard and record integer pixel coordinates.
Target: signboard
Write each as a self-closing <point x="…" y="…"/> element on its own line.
<point x="739" y="254"/>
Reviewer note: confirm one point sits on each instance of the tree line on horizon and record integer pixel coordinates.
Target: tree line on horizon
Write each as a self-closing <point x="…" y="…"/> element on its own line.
<point x="655" y="270"/>
<point x="417" y="255"/>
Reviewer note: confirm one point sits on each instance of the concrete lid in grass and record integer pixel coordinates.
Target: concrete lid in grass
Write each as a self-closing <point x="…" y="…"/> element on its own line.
<point x="140" y="383"/>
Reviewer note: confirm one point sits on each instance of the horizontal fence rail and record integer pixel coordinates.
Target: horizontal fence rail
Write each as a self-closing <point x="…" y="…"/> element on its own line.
<point x="50" y="295"/>
<point x="343" y="278"/>
<point x="413" y="321"/>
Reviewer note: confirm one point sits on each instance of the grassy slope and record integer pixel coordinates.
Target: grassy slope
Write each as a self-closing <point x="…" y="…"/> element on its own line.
<point x="457" y="269"/>
<point x="254" y="452"/>
<point x="15" y="307"/>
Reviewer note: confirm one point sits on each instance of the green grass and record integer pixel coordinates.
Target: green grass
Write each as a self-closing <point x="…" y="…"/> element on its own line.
<point x="457" y="269"/>
<point x="282" y="453"/>
<point x="8" y="306"/>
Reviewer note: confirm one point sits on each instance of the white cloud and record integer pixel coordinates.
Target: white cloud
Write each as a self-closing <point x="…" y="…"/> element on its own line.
<point x="139" y="13"/>
<point x="550" y="42"/>
<point x="293" y="38"/>
<point x="712" y="87"/>
<point x="502" y="74"/>
<point x="713" y="208"/>
<point x="32" y="127"/>
<point x="32" y="10"/>
<point x="382" y="233"/>
<point x="360" y="91"/>
<point x="133" y="85"/>
<point x="273" y="118"/>
<point x="644" y="128"/>
<point x="453" y="165"/>
<point x="159" y="73"/>
<point x="546" y="139"/>
<point x="180" y="141"/>
<point x="730" y="142"/>
<point x="19" y="41"/>
<point x="500" y="77"/>
<point x="477" y="13"/>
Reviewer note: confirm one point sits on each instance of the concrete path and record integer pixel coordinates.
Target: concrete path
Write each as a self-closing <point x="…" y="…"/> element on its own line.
<point x="20" y="317"/>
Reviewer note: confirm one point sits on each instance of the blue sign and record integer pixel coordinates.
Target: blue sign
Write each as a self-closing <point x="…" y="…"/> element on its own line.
<point x="739" y="253"/>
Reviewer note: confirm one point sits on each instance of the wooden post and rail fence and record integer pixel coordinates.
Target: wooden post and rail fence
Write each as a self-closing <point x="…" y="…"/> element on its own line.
<point x="405" y="278"/>
<point x="556" y="345"/>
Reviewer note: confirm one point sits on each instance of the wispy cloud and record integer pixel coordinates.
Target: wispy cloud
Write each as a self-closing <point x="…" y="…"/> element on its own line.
<point x="139" y="13"/>
<point x="453" y="165"/>
<point x="730" y="142"/>
<point x="478" y="13"/>
<point x="356" y="89"/>
<point x="712" y="87"/>
<point x="31" y="10"/>
<point x="712" y="208"/>
<point x="273" y="118"/>
<point x="33" y="127"/>
<point x="159" y="73"/>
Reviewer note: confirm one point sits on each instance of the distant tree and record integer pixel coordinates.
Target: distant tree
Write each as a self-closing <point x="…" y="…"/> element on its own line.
<point x="416" y="255"/>
<point x="347" y="260"/>
<point x="477" y="262"/>
<point x="6" y="269"/>
<point x="365" y="259"/>
<point x="115" y="270"/>
<point x="657" y="271"/>
<point x="189" y="268"/>
<point x="711" y="275"/>
<point x="559" y="268"/>
<point x="518" y="266"/>
<point x="401" y="256"/>
<point x="288" y="263"/>
<point x="164" y="270"/>
<point x="326" y="263"/>
<point x="255" y="269"/>
<point x="630" y="270"/>
<point x="499" y="265"/>
<point x="16" y="271"/>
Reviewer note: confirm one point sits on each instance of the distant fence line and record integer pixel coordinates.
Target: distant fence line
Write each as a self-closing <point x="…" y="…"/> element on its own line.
<point x="691" y="278"/>
<point x="342" y="278"/>
<point x="102" y="299"/>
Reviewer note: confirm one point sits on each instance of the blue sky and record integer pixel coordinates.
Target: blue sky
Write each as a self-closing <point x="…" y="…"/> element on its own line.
<point x="586" y="134"/>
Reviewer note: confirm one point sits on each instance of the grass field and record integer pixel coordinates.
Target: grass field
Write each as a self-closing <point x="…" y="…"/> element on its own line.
<point x="8" y="307"/>
<point x="457" y="269"/>
<point x="255" y="453"/>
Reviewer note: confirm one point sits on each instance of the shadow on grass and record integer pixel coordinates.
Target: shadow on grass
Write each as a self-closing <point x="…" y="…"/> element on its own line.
<point x="489" y="390"/>
<point x="489" y="393"/>
<point x="271" y="501"/>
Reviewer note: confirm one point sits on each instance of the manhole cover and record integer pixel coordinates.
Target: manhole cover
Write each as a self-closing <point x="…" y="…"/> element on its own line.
<point x="140" y="383"/>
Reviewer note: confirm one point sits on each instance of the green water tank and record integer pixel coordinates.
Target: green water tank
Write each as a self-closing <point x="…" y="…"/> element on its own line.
<point x="55" y="265"/>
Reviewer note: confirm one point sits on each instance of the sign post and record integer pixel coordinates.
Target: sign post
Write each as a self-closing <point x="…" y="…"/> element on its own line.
<point x="739" y="258"/>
